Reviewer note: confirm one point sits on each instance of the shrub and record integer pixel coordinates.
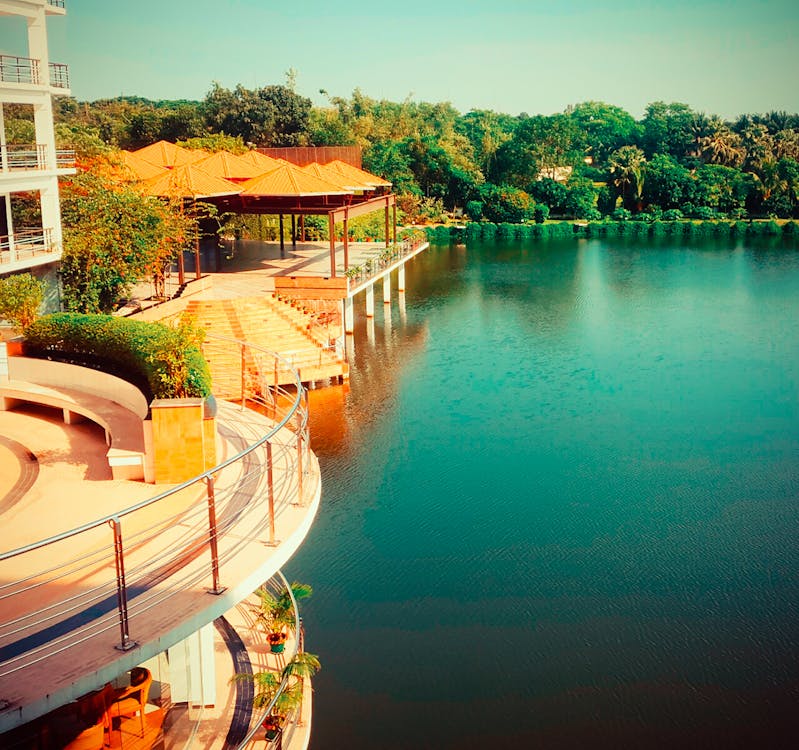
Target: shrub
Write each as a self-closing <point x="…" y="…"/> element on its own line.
<point x="541" y="213"/>
<point x="474" y="210"/>
<point x="21" y="297"/>
<point x="704" y="212"/>
<point x="621" y="214"/>
<point x="162" y="362"/>
<point x="673" y="214"/>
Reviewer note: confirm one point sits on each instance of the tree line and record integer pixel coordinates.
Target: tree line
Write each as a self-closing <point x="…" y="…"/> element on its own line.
<point x="594" y="159"/>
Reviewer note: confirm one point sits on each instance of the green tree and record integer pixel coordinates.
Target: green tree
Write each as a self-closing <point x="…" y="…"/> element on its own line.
<point x="668" y="129"/>
<point x="627" y="168"/>
<point x="504" y="203"/>
<point x="114" y="236"/>
<point x="21" y="296"/>
<point x="604" y="128"/>
<point x="668" y="184"/>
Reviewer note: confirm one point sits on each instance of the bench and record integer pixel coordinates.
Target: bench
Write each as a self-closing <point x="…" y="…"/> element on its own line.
<point x="116" y="406"/>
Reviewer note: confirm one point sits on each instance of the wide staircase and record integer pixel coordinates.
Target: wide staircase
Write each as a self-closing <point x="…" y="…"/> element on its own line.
<point x="275" y="325"/>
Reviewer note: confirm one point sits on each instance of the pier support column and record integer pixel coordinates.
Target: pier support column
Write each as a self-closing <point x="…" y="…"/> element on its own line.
<point x="349" y="317"/>
<point x="370" y="301"/>
<point x="387" y="289"/>
<point x="401" y="278"/>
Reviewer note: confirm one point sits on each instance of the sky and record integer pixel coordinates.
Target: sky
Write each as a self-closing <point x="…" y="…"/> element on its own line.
<point x="723" y="57"/>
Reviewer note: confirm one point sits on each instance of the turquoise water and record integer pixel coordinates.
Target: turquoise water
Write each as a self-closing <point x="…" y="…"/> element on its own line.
<point x="560" y="504"/>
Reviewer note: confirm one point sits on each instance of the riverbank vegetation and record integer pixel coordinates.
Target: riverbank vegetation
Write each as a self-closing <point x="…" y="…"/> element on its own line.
<point x="588" y="161"/>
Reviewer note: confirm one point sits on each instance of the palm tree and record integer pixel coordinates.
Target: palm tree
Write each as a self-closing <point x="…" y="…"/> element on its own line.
<point x="627" y="166"/>
<point x="722" y="146"/>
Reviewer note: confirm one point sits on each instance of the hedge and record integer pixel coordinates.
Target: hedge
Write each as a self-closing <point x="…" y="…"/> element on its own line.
<point x="638" y="229"/>
<point x="133" y="350"/>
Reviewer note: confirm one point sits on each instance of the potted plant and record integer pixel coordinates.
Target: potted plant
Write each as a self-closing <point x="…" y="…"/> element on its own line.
<point x="275" y="613"/>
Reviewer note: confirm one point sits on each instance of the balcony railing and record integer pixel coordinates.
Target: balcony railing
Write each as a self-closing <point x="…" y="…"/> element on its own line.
<point x="19" y="69"/>
<point x="57" y="3"/>
<point x="59" y="75"/>
<point x="385" y="259"/>
<point x="236" y="504"/>
<point x="20" y="157"/>
<point x="65" y="158"/>
<point x="26" y="243"/>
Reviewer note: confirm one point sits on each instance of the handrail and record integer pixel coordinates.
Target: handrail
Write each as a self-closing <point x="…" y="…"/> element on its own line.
<point x="59" y="75"/>
<point x="17" y="156"/>
<point x="205" y="520"/>
<point x="255" y="725"/>
<point x="26" y="242"/>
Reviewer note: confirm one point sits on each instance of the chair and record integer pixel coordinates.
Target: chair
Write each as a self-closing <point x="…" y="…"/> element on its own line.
<point x="131" y="700"/>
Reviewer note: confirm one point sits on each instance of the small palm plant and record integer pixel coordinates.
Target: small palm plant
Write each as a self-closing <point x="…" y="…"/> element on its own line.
<point x="268" y="690"/>
<point x="275" y="612"/>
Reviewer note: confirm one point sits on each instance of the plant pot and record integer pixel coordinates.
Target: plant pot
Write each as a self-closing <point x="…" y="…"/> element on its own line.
<point x="277" y="648"/>
<point x="277" y="642"/>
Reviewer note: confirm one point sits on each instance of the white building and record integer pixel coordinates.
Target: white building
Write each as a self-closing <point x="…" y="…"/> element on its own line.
<point x="30" y="216"/>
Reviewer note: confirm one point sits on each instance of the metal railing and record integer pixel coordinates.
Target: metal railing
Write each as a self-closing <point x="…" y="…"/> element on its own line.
<point x="65" y="158"/>
<point x="56" y="3"/>
<point x="19" y="69"/>
<point x="257" y="719"/>
<point x="28" y="156"/>
<point x="59" y="75"/>
<point x="131" y="564"/>
<point x="375" y="266"/>
<point x="26" y="243"/>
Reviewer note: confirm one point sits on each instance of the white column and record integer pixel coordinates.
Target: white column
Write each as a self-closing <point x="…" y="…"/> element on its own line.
<point x="387" y="289"/>
<point x="349" y="316"/>
<point x="370" y="301"/>
<point x="51" y="212"/>
<point x="401" y="278"/>
<point x="402" y="308"/>
<point x="3" y="156"/>
<point x="192" y="670"/>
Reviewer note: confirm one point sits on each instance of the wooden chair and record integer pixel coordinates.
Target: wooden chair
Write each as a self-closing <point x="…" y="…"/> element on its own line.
<point x="131" y="700"/>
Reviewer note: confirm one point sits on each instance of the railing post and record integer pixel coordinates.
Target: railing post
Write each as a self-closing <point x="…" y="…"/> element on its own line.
<point x="125" y="643"/>
<point x="270" y="487"/>
<point x="216" y="588"/>
<point x="243" y="374"/>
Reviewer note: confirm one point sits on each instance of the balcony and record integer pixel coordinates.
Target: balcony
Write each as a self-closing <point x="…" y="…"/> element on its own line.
<point x="19" y="70"/>
<point x="87" y="603"/>
<point x="59" y="76"/>
<point x="23" y="157"/>
<point x="57" y="3"/>
<point x="25" y="245"/>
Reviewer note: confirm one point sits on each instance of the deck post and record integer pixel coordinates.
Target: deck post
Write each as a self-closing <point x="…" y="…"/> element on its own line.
<point x="394" y="211"/>
<point x="349" y="327"/>
<point x="331" y="233"/>
<point x="270" y="486"/>
<point x="388" y="241"/>
<point x="293" y="230"/>
<point x="370" y="301"/>
<point x="387" y="289"/>
<point x="346" y="243"/>
<point x="282" y="242"/>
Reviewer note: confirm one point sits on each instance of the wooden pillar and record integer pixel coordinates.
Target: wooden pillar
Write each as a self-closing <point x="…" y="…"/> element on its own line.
<point x="370" y="301"/>
<point x="394" y="211"/>
<point x="386" y="235"/>
<point x="282" y="245"/>
<point x="197" y="270"/>
<point x="181" y="268"/>
<point x="302" y="227"/>
<point x="346" y="242"/>
<point x="331" y="228"/>
<point x="293" y="230"/>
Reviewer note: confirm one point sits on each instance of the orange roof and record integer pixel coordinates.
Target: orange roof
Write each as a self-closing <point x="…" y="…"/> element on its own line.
<point x="353" y="173"/>
<point x="167" y="154"/>
<point x="325" y="172"/>
<point x="188" y="182"/>
<point x="288" y="180"/>
<point x="140" y="168"/>
<point x="229" y="166"/>
<point x="262" y="161"/>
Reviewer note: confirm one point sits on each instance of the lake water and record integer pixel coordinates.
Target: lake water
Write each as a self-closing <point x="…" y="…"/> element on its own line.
<point x="561" y="504"/>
